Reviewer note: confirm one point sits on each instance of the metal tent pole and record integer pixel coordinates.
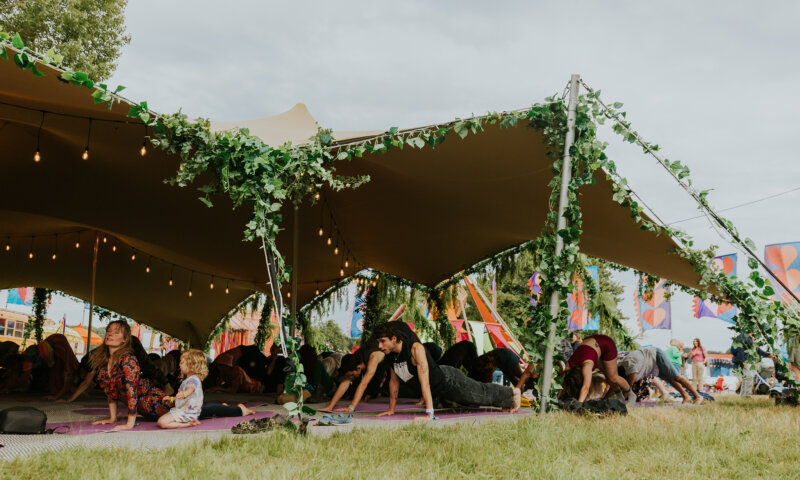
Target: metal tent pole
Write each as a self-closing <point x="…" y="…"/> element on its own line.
<point x="295" y="256"/>
<point x="555" y="301"/>
<point x="94" y="282"/>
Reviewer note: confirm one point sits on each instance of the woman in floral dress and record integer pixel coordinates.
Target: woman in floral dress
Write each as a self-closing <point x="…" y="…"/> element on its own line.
<point x="119" y="376"/>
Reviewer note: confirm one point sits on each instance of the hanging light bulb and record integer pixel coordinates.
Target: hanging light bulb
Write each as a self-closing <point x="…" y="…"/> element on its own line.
<point x="190" y="292"/>
<point x="171" y="283"/>
<point x="346" y="263"/>
<point x="37" y="156"/>
<point x="133" y="256"/>
<point x="147" y="270"/>
<point x="30" y="255"/>
<point x="211" y="286"/>
<point x="85" y="155"/>
<point x="171" y="274"/>
<point x="288" y="294"/>
<point x="114" y="248"/>
<point x="191" y="280"/>
<point x="54" y="255"/>
<point x="316" y="292"/>
<point x="227" y="289"/>
<point x="316" y="196"/>
<point x="341" y="272"/>
<point x="321" y="231"/>
<point x="78" y="244"/>
<point x="329" y="240"/>
<point x="336" y="250"/>
<point x="8" y="244"/>
<point x="105" y="239"/>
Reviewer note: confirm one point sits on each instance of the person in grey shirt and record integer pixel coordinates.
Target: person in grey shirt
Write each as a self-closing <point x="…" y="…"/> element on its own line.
<point x="653" y="362"/>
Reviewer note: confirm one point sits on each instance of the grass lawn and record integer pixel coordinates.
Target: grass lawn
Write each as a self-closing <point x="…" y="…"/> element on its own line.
<point x="733" y="438"/>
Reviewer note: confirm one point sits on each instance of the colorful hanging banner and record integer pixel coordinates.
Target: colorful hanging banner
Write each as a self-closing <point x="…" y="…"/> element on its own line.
<point x="357" y="319"/>
<point x="653" y="312"/>
<point x="461" y="330"/>
<point x="535" y="286"/>
<point x="784" y="262"/>
<point x="578" y="305"/>
<point x="493" y="290"/>
<point x="709" y="309"/>
<point x="20" y="296"/>
<point x="478" y="332"/>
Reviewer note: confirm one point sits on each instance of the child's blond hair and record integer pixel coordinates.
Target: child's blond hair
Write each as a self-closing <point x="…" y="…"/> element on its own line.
<point x="676" y="343"/>
<point x="197" y="362"/>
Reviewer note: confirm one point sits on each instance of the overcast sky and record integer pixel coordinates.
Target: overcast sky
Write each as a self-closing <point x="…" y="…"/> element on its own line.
<point x="713" y="83"/>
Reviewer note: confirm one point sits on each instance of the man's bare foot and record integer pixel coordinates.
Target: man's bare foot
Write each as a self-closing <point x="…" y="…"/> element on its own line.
<point x="686" y="399"/>
<point x="698" y="400"/>
<point x="246" y="411"/>
<point x="517" y="400"/>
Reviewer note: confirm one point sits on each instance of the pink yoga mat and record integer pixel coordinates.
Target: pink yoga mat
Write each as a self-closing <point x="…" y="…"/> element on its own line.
<point x="447" y="415"/>
<point x="211" y="424"/>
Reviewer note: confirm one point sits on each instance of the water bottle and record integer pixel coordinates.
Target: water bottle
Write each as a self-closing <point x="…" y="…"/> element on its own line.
<point x="497" y="377"/>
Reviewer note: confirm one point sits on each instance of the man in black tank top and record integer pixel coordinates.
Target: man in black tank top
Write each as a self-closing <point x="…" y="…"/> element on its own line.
<point x="409" y="360"/>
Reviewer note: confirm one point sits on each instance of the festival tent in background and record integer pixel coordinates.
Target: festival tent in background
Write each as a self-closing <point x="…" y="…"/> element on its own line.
<point x="653" y="310"/>
<point x="242" y="329"/>
<point x="81" y="330"/>
<point x="710" y="309"/>
<point x="784" y="261"/>
<point x="493" y="325"/>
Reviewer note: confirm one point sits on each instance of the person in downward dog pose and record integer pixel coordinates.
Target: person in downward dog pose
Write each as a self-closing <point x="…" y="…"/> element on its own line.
<point x="653" y="362"/>
<point x="595" y="351"/>
<point x="408" y="359"/>
<point x="189" y="399"/>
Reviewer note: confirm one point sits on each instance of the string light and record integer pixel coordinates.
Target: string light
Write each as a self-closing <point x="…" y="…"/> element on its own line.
<point x="114" y="247"/>
<point x="147" y="270"/>
<point x="37" y="156"/>
<point x="8" y="244"/>
<point x="30" y="250"/>
<point x="329" y="241"/>
<point x="78" y="244"/>
<point x="227" y="289"/>
<point x="288" y="294"/>
<point x="171" y="272"/>
<point x="346" y="263"/>
<point x="321" y="231"/>
<point x="143" y="150"/>
<point x="85" y="155"/>
<point x="316" y="292"/>
<point x="316" y="196"/>
<point x="55" y="249"/>
<point x="191" y="280"/>
<point x="336" y="250"/>
<point x="105" y="239"/>
<point x="133" y="255"/>
<point x="341" y="272"/>
<point x="211" y="286"/>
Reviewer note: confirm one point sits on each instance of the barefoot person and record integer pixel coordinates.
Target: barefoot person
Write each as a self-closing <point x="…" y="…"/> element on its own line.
<point x="653" y="362"/>
<point x="120" y="378"/>
<point x="408" y="359"/>
<point x="189" y="399"/>
<point x="595" y="351"/>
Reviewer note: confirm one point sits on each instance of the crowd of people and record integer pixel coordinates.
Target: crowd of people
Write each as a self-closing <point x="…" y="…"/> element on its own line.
<point x="393" y="362"/>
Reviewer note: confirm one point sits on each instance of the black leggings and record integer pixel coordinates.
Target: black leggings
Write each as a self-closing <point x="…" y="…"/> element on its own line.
<point x="210" y="410"/>
<point x="468" y="392"/>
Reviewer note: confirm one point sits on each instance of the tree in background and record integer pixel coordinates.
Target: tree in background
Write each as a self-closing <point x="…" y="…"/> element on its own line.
<point x="330" y="337"/>
<point x="89" y="34"/>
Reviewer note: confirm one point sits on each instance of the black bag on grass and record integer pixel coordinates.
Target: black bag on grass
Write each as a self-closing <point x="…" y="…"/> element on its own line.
<point x="598" y="408"/>
<point x="24" y="420"/>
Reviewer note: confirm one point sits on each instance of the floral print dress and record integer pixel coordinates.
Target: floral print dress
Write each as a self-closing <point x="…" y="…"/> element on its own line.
<point x="125" y="382"/>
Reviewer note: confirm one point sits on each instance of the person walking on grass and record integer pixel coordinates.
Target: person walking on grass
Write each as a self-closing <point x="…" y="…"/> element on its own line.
<point x="409" y="359"/>
<point x="699" y="362"/>
<point x="189" y="399"/>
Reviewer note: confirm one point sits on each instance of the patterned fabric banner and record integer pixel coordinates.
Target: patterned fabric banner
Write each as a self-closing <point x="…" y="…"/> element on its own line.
<point x="709" y="309"/>
<point x="478" y="332"/>
<point x="578" y="305"/>
<point x="357" y="319"/>
<point x="461" y="330"/>
<point x="653" y="312"/>
<point x="784" y="261"/>
<point x="20" y="296"/>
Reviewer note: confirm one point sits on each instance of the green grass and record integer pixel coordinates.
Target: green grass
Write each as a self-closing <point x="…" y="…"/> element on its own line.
<point x="748" y="438"/>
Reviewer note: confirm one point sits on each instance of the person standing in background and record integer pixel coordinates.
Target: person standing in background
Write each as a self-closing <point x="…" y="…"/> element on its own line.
<point x="699" y="362"/>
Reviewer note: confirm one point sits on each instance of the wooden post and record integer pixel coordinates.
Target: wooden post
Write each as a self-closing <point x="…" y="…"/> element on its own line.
<point x="94" y="283"/>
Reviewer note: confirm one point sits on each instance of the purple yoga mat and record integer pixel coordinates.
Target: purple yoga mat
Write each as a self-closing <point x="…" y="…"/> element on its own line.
<point x="367" y="407"/>
<point x="209" y="424"/>
<point x="103" y="410"/>
<point x="444" y="415"/>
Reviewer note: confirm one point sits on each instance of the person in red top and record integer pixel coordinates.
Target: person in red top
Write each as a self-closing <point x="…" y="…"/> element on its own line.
<point x="594" y="352"/>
